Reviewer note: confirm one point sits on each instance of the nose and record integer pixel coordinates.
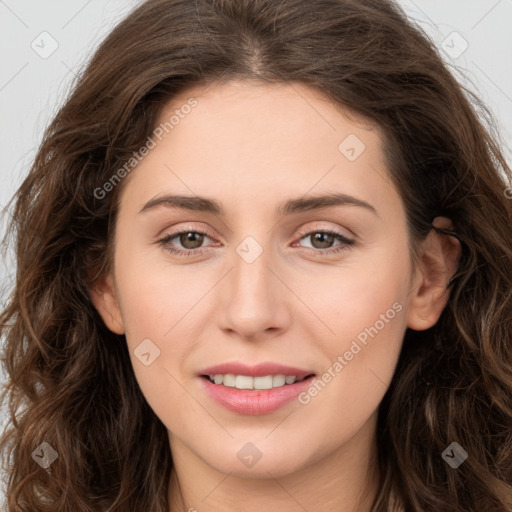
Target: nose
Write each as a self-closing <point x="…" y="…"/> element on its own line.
<point x="254" y="300"/>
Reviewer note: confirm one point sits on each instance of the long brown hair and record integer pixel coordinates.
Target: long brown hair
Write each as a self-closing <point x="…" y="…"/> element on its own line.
<point x="72" y="378"/>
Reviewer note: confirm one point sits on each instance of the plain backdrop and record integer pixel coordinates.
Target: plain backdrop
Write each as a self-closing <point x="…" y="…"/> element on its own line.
<point x="44" y="42"/>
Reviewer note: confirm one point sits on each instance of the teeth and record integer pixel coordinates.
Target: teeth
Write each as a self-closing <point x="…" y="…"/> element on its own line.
<point x="278" y="381"/>
<point x="244" y="382"/>
<point x="248" y="382"/>
<point x="227" y="380"/>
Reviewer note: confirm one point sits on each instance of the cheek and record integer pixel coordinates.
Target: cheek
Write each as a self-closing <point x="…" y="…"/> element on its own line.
<point x="364" y="300"/>
<point x="155" y="306"/>
<point x="158" y="318"/>
<point x="366" y="309"/>
<point x="155" y="294"/>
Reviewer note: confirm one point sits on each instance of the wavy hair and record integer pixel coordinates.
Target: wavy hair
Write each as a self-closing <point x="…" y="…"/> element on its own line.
<point x="70" y="380"/>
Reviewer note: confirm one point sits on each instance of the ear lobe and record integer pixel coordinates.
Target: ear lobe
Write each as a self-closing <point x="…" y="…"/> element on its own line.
<point x="439" y="260"/>
<point x="103" y="296"/>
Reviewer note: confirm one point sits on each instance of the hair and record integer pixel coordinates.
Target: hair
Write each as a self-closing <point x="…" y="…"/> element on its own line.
<point x="73" y="378"/>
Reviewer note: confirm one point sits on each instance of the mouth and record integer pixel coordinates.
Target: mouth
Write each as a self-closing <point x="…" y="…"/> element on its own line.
<point x="248" y="382"/>
<point x="254" y="389"/>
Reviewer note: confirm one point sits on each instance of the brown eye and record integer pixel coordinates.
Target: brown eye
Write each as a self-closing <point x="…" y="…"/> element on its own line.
<point x="191" y="239"/>
<point x="185" y="243"/>
<point x="321" y="240"/>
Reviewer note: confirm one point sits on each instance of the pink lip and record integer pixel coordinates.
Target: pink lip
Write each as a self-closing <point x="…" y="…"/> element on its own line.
<point x="258" y="370"/>
<point x="254" y="402"/>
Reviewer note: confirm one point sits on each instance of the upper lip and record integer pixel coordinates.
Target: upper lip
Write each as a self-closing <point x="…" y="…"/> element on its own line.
<point x="258" y="370"/>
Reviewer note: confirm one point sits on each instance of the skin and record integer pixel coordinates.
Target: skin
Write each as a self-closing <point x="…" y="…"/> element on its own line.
<point x="250" y="146"/>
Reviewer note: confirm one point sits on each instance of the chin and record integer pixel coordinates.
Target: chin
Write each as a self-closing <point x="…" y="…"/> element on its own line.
<point x="254" y="460"/>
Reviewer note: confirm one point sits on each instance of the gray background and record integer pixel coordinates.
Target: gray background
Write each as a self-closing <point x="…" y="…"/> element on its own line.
<point x="33" y="82"/>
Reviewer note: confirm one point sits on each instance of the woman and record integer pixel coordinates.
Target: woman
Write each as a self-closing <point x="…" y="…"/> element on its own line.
<point x="263" y="260"/>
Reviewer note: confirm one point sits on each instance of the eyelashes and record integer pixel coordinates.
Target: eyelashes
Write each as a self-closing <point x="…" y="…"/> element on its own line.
<point x="344" y="242"/>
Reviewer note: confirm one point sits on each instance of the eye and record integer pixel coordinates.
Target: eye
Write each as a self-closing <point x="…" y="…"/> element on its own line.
<point x="190" y="240"/>
<point x="322" y="240"/>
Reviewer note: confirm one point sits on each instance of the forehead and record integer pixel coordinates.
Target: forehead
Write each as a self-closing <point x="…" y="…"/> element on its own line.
<point x="256" y="108"/>
<point x="261" y="140"/>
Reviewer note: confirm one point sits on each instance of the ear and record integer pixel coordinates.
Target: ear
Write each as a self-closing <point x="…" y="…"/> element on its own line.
<point x="104" y="298"/>
<point x="439" y="257"/>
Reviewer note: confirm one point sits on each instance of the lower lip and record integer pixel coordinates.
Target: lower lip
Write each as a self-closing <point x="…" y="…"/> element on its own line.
<point x="254" y="402"/>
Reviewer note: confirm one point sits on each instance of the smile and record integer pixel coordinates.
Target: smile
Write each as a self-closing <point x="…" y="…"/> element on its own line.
<point x="256" y="383"/>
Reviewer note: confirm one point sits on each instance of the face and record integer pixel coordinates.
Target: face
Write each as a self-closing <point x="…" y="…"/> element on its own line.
<point x="261" y="278"/>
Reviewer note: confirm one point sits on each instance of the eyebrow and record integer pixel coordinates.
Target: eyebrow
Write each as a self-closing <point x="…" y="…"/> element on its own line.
<point x="297" y="205"/>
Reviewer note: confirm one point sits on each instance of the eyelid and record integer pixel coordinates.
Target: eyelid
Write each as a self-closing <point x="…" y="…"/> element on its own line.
<point x="345" y="242"/>
<point x="318" y="226"/>
<point x="179" y="227"/>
